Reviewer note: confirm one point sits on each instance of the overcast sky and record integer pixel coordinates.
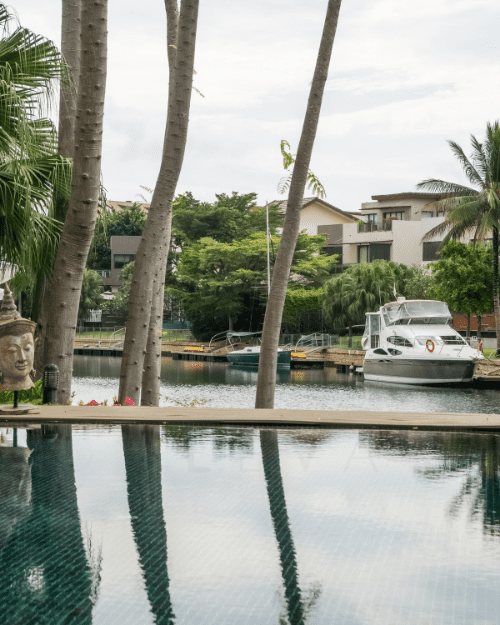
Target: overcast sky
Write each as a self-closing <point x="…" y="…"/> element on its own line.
<point x="404" y="78"/>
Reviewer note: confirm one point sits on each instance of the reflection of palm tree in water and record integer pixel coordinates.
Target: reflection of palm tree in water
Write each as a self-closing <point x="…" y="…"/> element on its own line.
<point x="141" y="447"/>
<point x="279" y="514"/>
<point x="44" y="573"/>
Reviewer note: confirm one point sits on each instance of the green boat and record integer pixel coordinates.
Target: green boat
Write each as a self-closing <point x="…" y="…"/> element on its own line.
<point x="249" y="357"/>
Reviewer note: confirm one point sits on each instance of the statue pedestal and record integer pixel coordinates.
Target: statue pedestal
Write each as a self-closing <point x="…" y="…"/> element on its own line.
<point x="20" y="409"/>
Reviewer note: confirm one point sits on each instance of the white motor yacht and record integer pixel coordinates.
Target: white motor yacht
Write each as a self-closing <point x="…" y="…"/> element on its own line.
<point x="411" y="342"/>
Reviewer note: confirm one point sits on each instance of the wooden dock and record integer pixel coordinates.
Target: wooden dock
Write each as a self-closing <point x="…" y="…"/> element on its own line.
<point x="355" y="419"/>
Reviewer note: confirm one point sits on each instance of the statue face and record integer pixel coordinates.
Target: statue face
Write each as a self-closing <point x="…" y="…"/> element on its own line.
<point x="16" y="358"/>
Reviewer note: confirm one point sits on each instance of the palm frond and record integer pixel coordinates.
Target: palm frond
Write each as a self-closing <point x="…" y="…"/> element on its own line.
<point x="284" y="184"/>
<point x="314" y="184"/>
<point x="434" y="185"/>
<point x="470" y="171"/>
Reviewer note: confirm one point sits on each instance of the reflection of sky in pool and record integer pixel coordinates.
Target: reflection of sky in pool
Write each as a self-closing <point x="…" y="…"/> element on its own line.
<point x="181" y="524"/>
<point x="224" y="386"/>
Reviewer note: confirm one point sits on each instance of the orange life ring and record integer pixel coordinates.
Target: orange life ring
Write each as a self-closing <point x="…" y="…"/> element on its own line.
<point x="480" y="347"/>
<point x="430" y="345"/>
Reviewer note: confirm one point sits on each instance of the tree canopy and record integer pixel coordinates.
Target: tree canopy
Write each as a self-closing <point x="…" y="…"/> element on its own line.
<point x="230" y="218"/>
<point x="463" y="277"/>
<point x="217" y="280"/>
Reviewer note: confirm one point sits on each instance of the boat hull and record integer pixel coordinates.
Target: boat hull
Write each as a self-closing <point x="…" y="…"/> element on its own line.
<point x="418" y="371"/>
<point x="251" y="359"/>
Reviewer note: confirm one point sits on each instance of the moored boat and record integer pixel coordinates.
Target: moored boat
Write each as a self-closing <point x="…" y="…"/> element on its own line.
<point x="249" y="357"/>
<point x="411" y="342"/>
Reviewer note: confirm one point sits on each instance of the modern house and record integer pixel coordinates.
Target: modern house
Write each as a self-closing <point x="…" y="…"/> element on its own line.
<point x="392" y="229"/>
<point x="123" y="251"/>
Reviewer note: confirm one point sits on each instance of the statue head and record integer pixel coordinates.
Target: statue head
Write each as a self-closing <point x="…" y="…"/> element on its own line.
<point x="17" y="347"/>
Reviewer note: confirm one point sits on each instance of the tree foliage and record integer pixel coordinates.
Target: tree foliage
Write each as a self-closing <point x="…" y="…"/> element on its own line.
<point x="476" y="209"/>
<point x="217" y="280"/>
<point x="361" y="289"/>
<point x="32" y="174"/>
<point x="301" y="303"/>
<point x="230" y="218"/>
<point x="90" y="298"/>
<point x="463" y="278"/>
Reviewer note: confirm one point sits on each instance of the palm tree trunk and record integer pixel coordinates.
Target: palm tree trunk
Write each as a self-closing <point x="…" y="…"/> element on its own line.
<point x="151" y="376"/>
<point x="274" y="311"/>
<point x="349" y="342"/>
<point x="478" y="327"/>
<point x="157" y="232"/>
<point x="467" y="332"/>
<point x="70" y="52"/>
<point x="67" y="277"/>
<point x="496" y="300"/>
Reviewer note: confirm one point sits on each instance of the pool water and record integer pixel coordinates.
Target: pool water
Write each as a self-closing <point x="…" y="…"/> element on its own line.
<point x="186" y="524"/>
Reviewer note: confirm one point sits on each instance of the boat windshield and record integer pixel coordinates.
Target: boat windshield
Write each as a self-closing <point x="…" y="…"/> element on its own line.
<point x="417" y="313"/>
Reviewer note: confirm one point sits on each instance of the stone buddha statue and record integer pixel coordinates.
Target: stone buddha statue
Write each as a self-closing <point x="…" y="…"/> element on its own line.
<point x="17" y="347"/>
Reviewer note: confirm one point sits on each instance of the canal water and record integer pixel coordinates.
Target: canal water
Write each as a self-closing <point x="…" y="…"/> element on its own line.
<point x="225" y="386"/>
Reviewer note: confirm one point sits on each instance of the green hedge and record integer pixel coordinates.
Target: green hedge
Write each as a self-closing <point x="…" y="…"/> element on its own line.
<point x="33" y="395"/>
<point x="298" y="304"/>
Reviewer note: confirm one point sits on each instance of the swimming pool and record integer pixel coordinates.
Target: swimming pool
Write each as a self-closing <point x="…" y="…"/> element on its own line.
<point x="185" y="524"/>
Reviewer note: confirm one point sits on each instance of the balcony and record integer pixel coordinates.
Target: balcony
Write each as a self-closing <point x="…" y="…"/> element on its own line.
<point x="104" y="273"/>
<point x="385" y="226"/>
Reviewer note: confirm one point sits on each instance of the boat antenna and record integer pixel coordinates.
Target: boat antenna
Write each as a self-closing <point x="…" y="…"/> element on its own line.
<point x="268" y="260"/>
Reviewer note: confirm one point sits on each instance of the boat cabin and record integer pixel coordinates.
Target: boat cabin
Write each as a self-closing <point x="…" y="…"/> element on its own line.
<point x="403" y="312"/>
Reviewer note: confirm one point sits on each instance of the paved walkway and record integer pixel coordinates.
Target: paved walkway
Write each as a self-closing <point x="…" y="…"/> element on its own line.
<point x="248" y="416"/>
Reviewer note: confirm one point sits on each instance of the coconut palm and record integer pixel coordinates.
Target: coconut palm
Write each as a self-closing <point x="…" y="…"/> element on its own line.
<point x="30" y="168"/>
<point x="476" y="209"/>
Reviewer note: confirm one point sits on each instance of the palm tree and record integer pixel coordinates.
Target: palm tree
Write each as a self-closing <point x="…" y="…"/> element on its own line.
<point x="141" y="360"/>
<point x="476" y="209"/>
<point x="62" y="299"/>
<point x="360" y="289"/>
<point x="31" y="171"/>
<point x="266" y="381"/>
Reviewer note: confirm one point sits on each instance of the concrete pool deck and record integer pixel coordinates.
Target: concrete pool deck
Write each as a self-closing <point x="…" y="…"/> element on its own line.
<point x="359" y="419"/>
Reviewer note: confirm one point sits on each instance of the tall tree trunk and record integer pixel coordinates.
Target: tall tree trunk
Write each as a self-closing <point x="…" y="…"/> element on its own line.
<point x="156" y="234"/>
<point x="467" y="332"/>
<point x="66" y="283"/>
<point x="70" y="52"/>
<point x="151" y="376"/>
<point x="266" y="381"/>
<point x="479" y="323"/>
<point x="349" y="342"/>
<point x="496" y="300"/>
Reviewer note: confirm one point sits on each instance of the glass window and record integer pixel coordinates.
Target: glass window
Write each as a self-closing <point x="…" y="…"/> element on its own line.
<point x="400" y="341"/>
<point x="427" y="214"/>
<point x="372" y="218"/>
<point x="430" y="250"/>
<point x="123" y="259"/>
<point x="417" y="312"/>
<point x="400" y="215"/>
<point x="363" y="253"/>
<point x="374" y="324"/>
<point x="380" y="351"/>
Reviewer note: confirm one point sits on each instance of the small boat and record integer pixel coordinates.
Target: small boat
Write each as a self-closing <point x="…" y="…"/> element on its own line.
<point x="249" y="357"/>
<point x="411" y="342"/>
